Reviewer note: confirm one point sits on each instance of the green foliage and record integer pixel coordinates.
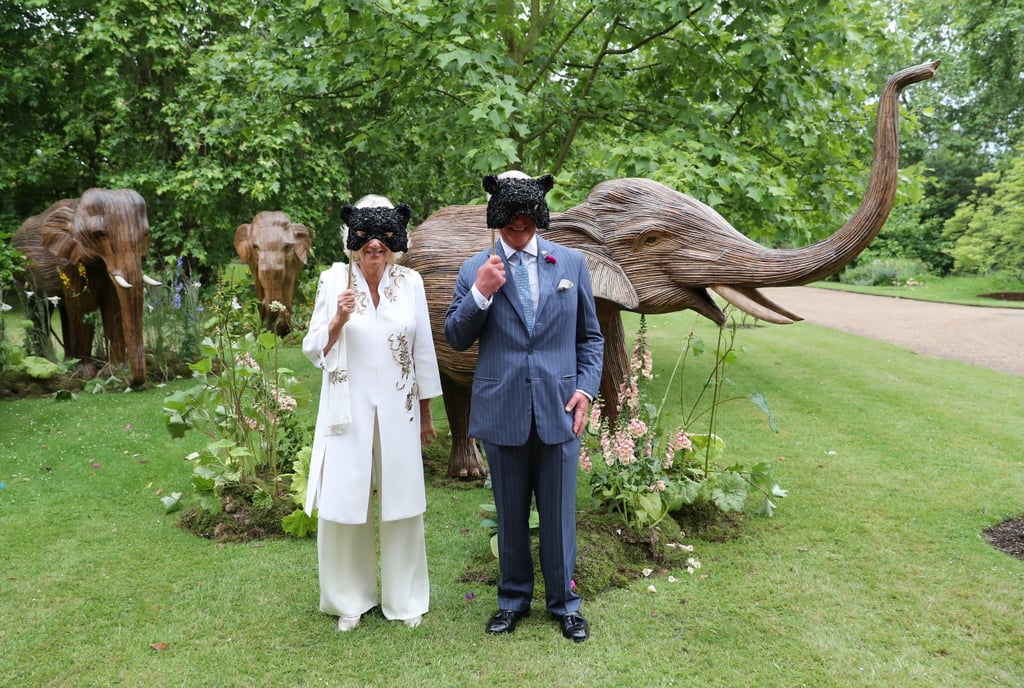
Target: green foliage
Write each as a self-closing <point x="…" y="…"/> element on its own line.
<point x="243" y="400"/>
<point x="644" y="472"/>
<point x="216" y="113"/>
<point x="11" y="263"/>
<point x="298" y="523"/>
<point x="886" y="271"/>
<point x="914" y="232"/>
<point x="171" y="320"/>
<point x="988" y="228"/>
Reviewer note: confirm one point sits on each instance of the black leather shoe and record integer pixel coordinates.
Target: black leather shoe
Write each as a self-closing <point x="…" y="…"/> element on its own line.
<point x="574" y="627"/>
<point x="504" y="621"/>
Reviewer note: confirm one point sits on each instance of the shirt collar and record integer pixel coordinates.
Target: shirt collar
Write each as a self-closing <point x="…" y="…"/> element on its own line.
<point x="531" y="248"/>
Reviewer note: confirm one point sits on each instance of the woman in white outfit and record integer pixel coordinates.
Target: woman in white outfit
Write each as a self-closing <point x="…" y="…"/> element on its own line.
<point x="370" y="333"/>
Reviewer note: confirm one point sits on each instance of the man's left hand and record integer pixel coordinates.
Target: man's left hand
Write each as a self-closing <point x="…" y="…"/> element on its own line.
<point x="579" y="405"/>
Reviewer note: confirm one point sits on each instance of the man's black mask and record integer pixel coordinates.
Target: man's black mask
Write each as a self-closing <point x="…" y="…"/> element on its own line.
<point x="384" y="224"/>
<point x="515" y="196"/>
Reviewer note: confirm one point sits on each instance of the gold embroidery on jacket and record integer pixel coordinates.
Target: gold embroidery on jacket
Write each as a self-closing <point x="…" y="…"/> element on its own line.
<point x="402" y="355"/>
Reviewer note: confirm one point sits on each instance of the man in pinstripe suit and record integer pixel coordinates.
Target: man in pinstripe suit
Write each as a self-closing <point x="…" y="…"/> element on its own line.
<point x="530" y="306"/>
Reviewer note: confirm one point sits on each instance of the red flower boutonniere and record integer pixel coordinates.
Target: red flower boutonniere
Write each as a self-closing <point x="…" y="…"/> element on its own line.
<point x="548" y="258"/>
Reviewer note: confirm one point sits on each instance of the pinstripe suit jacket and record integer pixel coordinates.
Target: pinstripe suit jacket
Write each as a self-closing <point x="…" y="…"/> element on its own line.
<point x="519" y="378"/>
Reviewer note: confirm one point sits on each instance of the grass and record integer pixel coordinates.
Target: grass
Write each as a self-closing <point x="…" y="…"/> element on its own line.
<point x="963" y="290"/>
<point x="872" y="573"/>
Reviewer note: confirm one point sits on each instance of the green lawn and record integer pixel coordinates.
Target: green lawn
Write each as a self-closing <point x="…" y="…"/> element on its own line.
<point x="872" y="573"/>
<point x="968" y="291"/>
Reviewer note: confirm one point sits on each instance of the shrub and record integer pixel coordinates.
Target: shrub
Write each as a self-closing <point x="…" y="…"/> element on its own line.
<point x="888" y="272"/>
<point x="643" y="471"/>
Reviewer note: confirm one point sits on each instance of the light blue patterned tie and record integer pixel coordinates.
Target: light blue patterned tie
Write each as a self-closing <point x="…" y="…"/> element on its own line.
<point x="522" y="277"/>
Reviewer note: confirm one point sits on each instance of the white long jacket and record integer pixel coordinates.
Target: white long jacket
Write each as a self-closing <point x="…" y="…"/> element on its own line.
<point x="391" y="365"/>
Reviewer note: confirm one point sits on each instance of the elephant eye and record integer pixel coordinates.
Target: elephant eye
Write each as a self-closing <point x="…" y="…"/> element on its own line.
<point x="647" y="240"/>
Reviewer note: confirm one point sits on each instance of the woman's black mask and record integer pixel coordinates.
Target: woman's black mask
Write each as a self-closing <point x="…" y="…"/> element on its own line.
<point x="384" y="224"/>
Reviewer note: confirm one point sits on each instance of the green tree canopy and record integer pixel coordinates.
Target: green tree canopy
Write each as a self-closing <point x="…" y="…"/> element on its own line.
<point x="214" y="112"/>
<point x="988" y="228"/>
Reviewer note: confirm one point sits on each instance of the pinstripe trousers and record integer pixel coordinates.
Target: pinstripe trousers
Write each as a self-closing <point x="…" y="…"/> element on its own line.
<point x="546" y="473"/>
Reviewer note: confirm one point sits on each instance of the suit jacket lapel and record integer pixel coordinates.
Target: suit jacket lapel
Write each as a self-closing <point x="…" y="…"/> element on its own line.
<point x="547" y="273"/>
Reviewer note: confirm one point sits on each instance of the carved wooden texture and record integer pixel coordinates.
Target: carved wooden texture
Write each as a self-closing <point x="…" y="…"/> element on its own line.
<point x="651" y="249"/>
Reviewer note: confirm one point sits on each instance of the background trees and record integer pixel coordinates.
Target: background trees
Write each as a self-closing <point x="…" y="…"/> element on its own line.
<point x="762" y="109"/>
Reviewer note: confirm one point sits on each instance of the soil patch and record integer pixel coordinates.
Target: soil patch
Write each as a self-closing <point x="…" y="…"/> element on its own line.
<point x="1007" y="537"/>
<point x="1004" y="295"/>
<point x="240" y="520"/>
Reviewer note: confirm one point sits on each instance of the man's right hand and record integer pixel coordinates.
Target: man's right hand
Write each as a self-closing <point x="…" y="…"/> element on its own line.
<point x="490" y="276"/>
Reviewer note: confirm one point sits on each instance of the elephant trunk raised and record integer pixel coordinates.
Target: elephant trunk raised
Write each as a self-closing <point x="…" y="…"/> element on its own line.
<point x="651" y="249"/>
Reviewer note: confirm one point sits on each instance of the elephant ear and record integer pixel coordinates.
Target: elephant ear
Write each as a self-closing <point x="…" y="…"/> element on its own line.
<point x="303" y="239"/>
<point x="608" y="280"/>
<point x="242" y="244"/>
<point x="57" y="234"/>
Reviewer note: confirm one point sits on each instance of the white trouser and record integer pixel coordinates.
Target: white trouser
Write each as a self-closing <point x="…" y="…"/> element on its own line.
<point x="348" y="563"/>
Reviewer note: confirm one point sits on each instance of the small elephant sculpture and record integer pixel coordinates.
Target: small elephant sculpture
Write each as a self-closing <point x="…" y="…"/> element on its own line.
<point x="275" y="249"/>
<point x="651" y="249"/>
<point x="88" y="251"/>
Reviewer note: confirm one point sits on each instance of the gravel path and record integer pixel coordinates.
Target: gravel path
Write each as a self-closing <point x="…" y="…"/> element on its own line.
<point x="987" y="337"/>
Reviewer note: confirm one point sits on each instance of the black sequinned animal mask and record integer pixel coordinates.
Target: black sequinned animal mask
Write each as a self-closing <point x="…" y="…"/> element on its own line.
<point x="384" y="224"/>
<point x="515" y="196"/>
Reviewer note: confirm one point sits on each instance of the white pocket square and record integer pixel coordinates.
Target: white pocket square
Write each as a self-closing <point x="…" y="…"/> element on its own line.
<point x="565" y="284"/>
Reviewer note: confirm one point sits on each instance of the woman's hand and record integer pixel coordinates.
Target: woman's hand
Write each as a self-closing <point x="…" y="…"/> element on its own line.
<point x="427" y="432"/>
<point x="346" y="305"/>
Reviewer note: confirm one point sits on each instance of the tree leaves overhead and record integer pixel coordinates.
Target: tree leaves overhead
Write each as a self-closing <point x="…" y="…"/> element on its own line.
<point x="215" y="112"/>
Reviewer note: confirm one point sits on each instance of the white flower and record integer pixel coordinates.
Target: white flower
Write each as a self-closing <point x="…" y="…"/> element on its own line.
<point x="277" y="307"/>
<point x="672" y="579"/>
<point x="235" y="306"/>
<point x="651" y="588"/>
<point x="55" y="300"/>
<point x="647" y="572"/>
<point x="4" y="307"/>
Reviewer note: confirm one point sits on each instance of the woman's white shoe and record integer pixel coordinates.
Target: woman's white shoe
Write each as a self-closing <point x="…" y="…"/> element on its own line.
<point x="347" y="623"/>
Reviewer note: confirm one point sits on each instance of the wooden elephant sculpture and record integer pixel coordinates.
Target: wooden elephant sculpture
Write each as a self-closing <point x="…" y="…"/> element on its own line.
<point x="275" y="249"/>
<point x="88" y="251"/>
<point x="651" y="249"/>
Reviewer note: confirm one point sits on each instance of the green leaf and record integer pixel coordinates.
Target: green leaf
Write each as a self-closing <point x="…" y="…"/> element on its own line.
<point x="761" y="402"/>
<point x="171" y="502"/>
<point x="299" y="524"/>
<point x="729" y="491"/>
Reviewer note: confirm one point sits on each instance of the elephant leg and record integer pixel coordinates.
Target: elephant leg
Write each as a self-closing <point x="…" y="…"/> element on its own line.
<point x="113" y="328"/>
<point x="616" y="360"/>
<point x="465" y="460"/>
<point x="79" y="332"/>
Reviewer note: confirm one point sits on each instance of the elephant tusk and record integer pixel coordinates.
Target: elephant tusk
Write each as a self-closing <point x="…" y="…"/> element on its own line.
<point x="150" y="281"/>
<point x="121" y="281"/>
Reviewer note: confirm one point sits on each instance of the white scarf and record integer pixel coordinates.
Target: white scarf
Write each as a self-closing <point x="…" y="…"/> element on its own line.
<point x="335" y="364"/>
